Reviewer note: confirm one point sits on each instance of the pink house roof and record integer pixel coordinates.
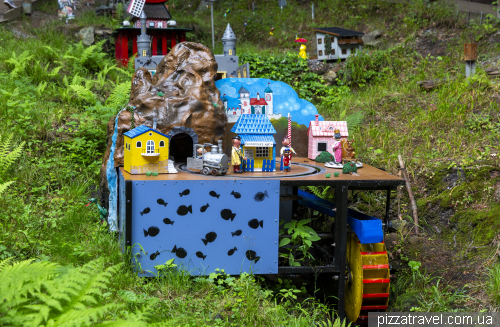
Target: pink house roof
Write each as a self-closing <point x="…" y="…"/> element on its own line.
<point x="327" y="128"/>
<point x="260" y="102"/>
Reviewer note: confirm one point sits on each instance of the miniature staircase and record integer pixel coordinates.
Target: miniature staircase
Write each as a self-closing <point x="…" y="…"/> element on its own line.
<point x="171" y="169"/>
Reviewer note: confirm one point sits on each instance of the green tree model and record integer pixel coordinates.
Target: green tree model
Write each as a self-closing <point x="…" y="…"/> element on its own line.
<point x="324" y="156"/>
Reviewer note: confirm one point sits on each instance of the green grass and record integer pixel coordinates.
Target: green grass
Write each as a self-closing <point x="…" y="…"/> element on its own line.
<point x="58" y="96"/>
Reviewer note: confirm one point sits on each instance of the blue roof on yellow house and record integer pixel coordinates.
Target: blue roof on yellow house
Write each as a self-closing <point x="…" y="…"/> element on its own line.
<point x="253" y="124"/>
<point x="141" y="130"/>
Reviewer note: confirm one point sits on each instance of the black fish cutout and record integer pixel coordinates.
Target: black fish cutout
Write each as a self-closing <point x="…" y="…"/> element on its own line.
<point x="179" y="252"/>
<point x="227" y="214"/>
<point x="183" y="210"/>
<point x="209" y="238"/>
<point x="145" y="211"/>
<point x="154" y="255"/>
<point x="214" y="194"/>
<point x="161" y="202"/>
<point x="231" y="252"/>
<point x="167" y="221"/>
<point x="152" y="231"/>
<point x="200" y="255"/>
<point x="236" y="195"/>
<point x="185" y="192"/>
<point x="237" y="233"/>
<point x="255" y="223"/>
<point x="251" y="255"/>
<point x="260" y="196"/>
<point x="204" y="208"/>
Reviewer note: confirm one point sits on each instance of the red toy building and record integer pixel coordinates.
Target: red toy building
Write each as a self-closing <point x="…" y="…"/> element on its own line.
<point x="163" y="36"/>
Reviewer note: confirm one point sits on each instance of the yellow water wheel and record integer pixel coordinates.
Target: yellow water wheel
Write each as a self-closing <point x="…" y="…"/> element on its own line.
<point x="368" y="282"/>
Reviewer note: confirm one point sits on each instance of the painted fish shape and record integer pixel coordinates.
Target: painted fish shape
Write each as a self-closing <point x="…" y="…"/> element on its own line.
<point x="236" y="195"/>
<point x="227" y="214"/>
<point x="252" y="255"/>
<point x="145" y="211"/>
<point x="183" y="210"/>
<point x="167" y="221"/>
<point x="237" y="233"/>
<point x="231" y="252"/>
<point x="152" y="231"/>
<point x="214" y="194"/>
<point x="185" y="192"/>
<point x="154" y="255"/>
<point x="209" y="238"/>
<point x="255" y="223"/>
<point x="179" y="252"/>
<point x="204" y="208"/>
<point x="260" y="196"/>
<point x="200" y="255"/>
<point x="161" y="202"/>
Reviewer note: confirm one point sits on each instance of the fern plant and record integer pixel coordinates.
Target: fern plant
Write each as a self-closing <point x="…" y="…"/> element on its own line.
<point x="19" y="63"/>
<point x="46" y="294"/>
<point x="7" y="158"/>
<point x="119" y="96"/>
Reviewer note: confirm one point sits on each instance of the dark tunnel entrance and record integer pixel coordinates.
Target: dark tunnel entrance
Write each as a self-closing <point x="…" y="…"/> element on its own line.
<point x="181" y="147"/>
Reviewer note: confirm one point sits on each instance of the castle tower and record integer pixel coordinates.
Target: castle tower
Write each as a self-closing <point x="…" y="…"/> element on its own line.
<point x="143" y="40"/>
<point x="244" y="100"/>
<point x="269" y="99"/>
<point x="224" y="101"/>
<point x="229" y="42"/>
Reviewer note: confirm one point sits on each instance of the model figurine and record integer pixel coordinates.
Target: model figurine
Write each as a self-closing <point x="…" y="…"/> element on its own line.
<point x="237" y="156"/>
<point x="286" y="147"/>
<point x="286" y="160"/>
<point x="337" y="147"/>
<point x="337" y="152"/>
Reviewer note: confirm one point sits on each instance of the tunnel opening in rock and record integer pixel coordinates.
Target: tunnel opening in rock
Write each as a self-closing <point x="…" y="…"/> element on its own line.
<point x="181" y="147"/>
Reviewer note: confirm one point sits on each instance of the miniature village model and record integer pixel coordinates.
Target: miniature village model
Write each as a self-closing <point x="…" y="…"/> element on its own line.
<point x="156" y="19"/>
<point x="230" y="218"/>
<point x="337" y="43"/>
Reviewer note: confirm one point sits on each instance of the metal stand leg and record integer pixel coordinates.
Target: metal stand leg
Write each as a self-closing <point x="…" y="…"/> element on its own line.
<point x="341" y="243"/>
<point x="387" y="207"/>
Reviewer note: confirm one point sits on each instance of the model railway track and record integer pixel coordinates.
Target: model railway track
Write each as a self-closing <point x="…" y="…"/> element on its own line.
<point x="310" y="170"/>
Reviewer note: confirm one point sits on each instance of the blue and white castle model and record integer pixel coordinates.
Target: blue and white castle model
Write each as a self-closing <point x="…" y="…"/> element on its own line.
<point x="258" y="105"/>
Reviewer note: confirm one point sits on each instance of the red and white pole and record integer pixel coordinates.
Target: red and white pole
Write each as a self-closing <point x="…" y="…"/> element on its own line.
<point x="289" y="135"/>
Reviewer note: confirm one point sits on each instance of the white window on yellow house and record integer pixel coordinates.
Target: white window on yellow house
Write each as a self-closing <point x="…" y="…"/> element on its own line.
<point x="150" y="146"/>
<point x="261" y="152"/>
<point x="162" y="144"/>
<point x="138" y="144"/>
<point x="150" y="134"/>
<point x="126" y="146"/>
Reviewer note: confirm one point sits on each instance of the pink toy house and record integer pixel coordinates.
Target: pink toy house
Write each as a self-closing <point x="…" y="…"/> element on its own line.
<point x="320" y="136"/>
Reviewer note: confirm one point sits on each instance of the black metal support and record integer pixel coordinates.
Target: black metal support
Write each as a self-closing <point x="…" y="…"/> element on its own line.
<point x="387" y="207"/>
<point x="128" y="213"/>
<point x="307" y="270"/>
<point x="341" y="192"/>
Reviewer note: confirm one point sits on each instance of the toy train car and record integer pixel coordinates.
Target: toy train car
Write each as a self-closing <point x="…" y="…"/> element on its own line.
<point x="214" y="162"/>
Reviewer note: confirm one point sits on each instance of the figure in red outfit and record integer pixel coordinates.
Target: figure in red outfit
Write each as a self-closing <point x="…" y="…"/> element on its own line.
<point x="286" y="160"/>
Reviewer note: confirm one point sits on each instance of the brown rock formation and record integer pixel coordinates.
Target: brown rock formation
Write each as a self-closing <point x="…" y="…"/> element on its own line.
<point x="182" y="96"/>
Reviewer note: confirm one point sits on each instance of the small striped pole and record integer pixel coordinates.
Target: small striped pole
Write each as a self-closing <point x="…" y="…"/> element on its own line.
<point x="289" y="135"/>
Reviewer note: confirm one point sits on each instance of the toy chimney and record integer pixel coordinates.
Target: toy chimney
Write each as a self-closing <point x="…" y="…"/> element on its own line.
<point x="258" y="97"/>
<point x="317" y="122"/>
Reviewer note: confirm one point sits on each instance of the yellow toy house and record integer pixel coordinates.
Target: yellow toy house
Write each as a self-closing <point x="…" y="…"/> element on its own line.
<point x="146" y="150"/>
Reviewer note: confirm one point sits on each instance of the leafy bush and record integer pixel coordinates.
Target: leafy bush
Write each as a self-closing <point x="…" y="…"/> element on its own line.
<point x="44" y="293"/>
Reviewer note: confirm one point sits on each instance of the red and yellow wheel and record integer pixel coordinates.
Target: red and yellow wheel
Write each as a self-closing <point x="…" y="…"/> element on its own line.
<point x="368" y="282"/>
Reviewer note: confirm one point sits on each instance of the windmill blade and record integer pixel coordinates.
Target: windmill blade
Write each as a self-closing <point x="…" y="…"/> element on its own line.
<point x="135" y="7"/>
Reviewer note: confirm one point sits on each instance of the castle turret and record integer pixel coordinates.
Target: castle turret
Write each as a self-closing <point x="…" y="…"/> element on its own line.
<point x="269" y="99"/>
<point x="143" y="40"/>
<point x="229" y="42"/>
